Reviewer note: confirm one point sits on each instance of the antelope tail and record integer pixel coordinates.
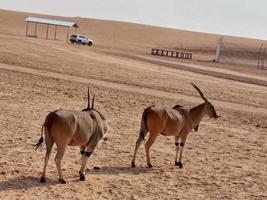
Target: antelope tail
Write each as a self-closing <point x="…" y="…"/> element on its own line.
<point x="41" y="140"/>
<point x="144" y="129"/>
<point x="46" y="126"/>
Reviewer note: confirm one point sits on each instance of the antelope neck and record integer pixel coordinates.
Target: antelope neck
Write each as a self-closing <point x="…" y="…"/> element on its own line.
<point x="196" y="114"/>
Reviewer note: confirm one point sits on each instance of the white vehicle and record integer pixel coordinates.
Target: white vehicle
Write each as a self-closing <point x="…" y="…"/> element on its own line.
<point x="80" y="39"/>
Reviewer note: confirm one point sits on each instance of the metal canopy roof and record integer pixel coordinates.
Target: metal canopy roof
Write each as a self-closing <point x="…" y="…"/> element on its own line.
<point x="51" y="21"/>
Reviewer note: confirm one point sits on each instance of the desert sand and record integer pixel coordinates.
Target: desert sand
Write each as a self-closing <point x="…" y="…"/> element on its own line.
<point x="226" y="159"/>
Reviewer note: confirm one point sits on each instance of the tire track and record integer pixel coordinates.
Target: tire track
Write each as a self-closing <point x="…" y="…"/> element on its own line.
<point x="131" y="88"/>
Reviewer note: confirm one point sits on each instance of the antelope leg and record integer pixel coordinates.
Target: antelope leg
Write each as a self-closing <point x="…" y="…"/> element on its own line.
<point x="60" y="153"/>
<point x="138" y="143"/>
<point x="149" y="143"/>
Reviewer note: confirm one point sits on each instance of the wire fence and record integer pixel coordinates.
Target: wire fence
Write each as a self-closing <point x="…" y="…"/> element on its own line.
<point x="232" y="53"/>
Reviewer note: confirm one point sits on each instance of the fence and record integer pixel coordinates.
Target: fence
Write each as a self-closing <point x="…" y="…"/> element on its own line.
<point x="235" y="53"/>
<point x="174" y="54"/>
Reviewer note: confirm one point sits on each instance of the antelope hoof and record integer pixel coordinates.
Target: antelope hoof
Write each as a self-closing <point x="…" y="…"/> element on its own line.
<point x="62" y="181"/>
<point x="149" y="165"/>
<point x="82" y="177"/>
<point x="133" y="165"/>
<point x="96" y="168"/>
<point x="179" y="164"/>
<point x="42" y="179"/>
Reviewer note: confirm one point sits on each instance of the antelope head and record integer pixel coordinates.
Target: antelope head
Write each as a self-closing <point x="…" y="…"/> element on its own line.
<point x="91" y="107"/>
<point x="208" y="107"/>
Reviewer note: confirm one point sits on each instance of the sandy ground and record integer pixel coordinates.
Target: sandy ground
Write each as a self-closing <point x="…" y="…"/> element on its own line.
<point x="226" y="159"/>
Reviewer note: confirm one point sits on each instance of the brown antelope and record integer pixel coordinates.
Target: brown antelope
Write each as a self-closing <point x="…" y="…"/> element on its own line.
<point x="176" y="121"/>
<point x="83" y="128"/>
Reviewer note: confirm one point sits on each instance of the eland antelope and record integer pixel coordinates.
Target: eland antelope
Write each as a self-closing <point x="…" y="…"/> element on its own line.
<point x="83" y="128"/>
<point x="176" y="121"/>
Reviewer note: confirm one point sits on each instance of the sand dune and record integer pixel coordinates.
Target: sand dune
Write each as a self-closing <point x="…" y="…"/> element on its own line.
<point x="226" y="159"/>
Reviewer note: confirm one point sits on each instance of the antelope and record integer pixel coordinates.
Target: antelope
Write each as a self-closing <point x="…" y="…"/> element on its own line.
<point x="175" y="121"/>
<point x="83" y="128"/>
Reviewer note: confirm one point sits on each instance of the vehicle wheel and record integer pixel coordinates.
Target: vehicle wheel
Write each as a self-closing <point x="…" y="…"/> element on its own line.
<point x="72" y="41"/>
<point x="90" y="43"/>
<point x="79" y="41"/>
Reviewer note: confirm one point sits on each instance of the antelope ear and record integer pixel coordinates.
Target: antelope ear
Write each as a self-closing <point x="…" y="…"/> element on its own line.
<point x="196" y="128"/>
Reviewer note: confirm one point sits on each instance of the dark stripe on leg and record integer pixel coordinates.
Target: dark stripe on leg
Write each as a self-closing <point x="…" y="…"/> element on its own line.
<point x="82" y="152"/>
<point x="88" y="154"/>
<point x="181" y="144"/>
<point x="177" y="144"/>
<point x="142" y="135"/>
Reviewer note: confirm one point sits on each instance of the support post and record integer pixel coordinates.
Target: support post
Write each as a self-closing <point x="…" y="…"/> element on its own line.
<point x="259" y="57"/>
<point x="35" y="31"/>
<point x="218" y="50"/>
<point x="262" y="59"/>
<point x="55" y="36"/>
<point x="27" y="29"/>
<point x="68" y="34"/>
<point x="190" y="56"/>
<point x="47" y="31"/>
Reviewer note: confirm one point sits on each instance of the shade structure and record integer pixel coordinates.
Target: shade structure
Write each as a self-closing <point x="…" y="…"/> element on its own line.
<point x="50" y="22"/>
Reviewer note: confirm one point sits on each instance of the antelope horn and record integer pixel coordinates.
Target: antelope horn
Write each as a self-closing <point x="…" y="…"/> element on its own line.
<point x="199" y="91"/>
<point x="88" y="105"/>
<point x="93" y="102"/>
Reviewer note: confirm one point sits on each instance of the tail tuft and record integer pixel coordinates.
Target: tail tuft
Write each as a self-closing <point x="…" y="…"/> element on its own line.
<point x="41" y="140"/>
<point x="142" y="135"/>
